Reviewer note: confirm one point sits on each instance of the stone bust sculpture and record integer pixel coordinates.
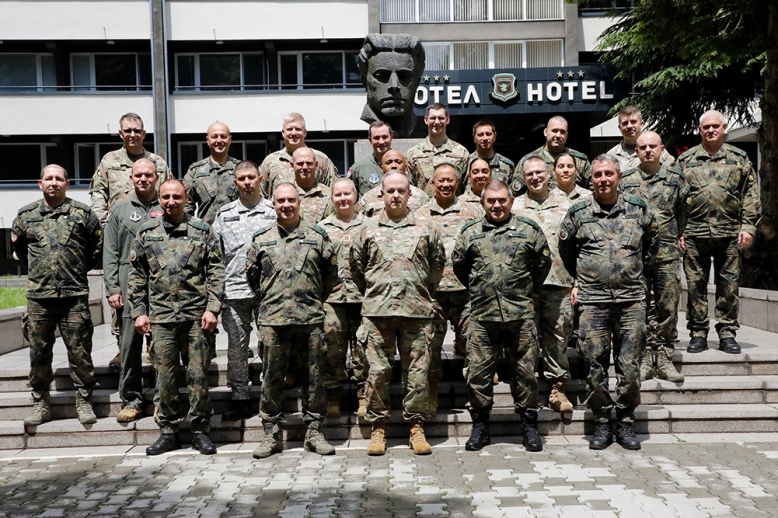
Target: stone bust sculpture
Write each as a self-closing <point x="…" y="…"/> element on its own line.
<point x="391" y="66"/>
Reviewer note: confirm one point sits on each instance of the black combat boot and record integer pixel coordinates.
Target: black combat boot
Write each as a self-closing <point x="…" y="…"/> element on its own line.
<point x="697" y="344"/>
<point x="479" y="436"/>
<point x="165" y="443"/>
<point x="239" y="409"/>
<point x="601" y="438"/>
<point x="626" y="436"/>
<point x="529" y="424"/>
<point x="202" y="443"/>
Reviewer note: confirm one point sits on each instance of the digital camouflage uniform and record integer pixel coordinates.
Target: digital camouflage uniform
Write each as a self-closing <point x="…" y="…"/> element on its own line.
<point x="277" y="168"/>
<point x="210" y="186"/>
<point x="58" y="246"/>
<point x="503" y="265"/>
<point x="628" y="158"/>
<point x="554" y="313"/>
<point x="397" y="267"/>
<point x="473" y="200"/>
<point x="366" y="173"/>
<point x="235" y="226"/>
<point x="451" y="298"/>
<point x="724" y="200"/>
<point x="373" y="203"/>
<point x="607" y="252"/>
<point x="667" y="196"/>
<point x="502" y="168"/>
<point x="315" y="203"/>
<point x="292" y="273"/>
<point x="176" y="275"/>
<point x="124" y="220"/>
<point x="583" y="178"/>
<point x="343" y="309"/>
<point x="424" y="157"/>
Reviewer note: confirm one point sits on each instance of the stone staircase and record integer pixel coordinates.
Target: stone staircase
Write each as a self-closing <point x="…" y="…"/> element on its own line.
<point x="722" y="393"/>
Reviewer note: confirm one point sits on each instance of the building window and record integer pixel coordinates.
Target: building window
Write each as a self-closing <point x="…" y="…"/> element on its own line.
<point x="474" y="55"/>
<point x="27" y="72"/>
<point x="88" y="156"/>
<point x="434" y="11"/>
<point x="22" y="163"/>
<point x="303" y="70"/>
<point x="340" y="152"/>
<point x="222" y="71"/>
<point x="111" y="72"/>
<point x="191" y="152"/>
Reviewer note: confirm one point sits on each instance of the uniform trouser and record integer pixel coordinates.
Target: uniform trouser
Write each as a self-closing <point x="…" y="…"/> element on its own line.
<point x="341" y="321"/>
<point x="488" y="343"/>
<point x="622" y="327"/>
<point x="453" y="307"/>
<point x="663" y="295"/>
<point x="116" y="325"/>
<point x="131" y="347"/>
<point x="71" y="315"/>
<point x="188" y="341"/>
<point x="554" y="321"/>
<point x="306" y="343"/>
<point x="237" y="315"/>
<point x="726" y="266"/>
<point x="382" y="336"/>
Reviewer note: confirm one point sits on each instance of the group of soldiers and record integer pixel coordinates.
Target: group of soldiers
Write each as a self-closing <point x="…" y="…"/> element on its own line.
<point x="520" y="261"/>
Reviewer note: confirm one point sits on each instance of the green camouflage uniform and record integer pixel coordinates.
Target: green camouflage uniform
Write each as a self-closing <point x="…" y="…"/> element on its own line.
<point x="667" y="196"/>
<point x="503" y="265"/>
<point x="554" y="313"/>
<point x="292" y="273"/>
<point x="366" y="173"/>
<point x="628" y="157"/>
<point x="373" y="203"/>
<point x="58" y="246"/>
<point x="452" y="299"/>
<point x="210" y="186"/>
<point x="583" y="178"/>
<point x="343" y="309"/>
<point x="176" y="275"/>
<point x="724" y="200"/>
<point x="124" y="220"/>
<point x="277" y="168"/>
<point x="424" y="157"/>
<point x="608" y="251"/>
<point x="397" y="267"/>
<point x="502" y="168"/>
<point x="315" y="203"/>
<point x="111" y="181"/>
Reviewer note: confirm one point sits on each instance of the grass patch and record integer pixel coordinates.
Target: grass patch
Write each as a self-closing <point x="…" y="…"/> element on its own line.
<point x="12" y="298"/>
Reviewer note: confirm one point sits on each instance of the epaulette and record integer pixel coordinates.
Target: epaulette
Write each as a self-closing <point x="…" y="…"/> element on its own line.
<point x="629" y="172"/>
<point x="530" y="222"/>
<point x="635" y="200"/>
<point x="80" y="205"/>
<point x="199" y="163"/>
<point x="233" y="160"/>
<point x="672" y="172"/>
<point x="261" y="231"/>
<point x="736" y="150"/>
<point x="506" y="161"/>
<point x="674" y="169"/>
<point x="320" y="231"/>
<point x="30" y="206"/>
<point x="577" y="154"/>
<point x="580" y="205"/>
<point x="469" y="224"/>
<point x="687" y="154"/>
<point x="199" y="224"/>
<point x="149" y="225"/>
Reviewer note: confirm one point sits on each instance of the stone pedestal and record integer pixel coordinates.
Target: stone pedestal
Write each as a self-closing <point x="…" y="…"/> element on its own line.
<point x="362" y="148"/>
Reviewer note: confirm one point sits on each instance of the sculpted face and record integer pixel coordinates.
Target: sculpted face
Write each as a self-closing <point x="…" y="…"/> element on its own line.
<point x="390" y="83"/>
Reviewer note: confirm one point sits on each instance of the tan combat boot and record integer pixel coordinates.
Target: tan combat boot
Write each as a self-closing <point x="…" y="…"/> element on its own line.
<point x="432" y="409"/>
<point x="333" y="402"/>
<point x="362" y="395"/>
<point x="86" y="415"/>
<point x="315" y="441"/>
<point x="127" y="415"/>
<point x="377" y="444"/>
<point x="271" y="443"/>
<point x="557" y="400"/>
<point x="418" y="442"/>
<point x="665" y="370"/>
<point x="41" y="410"/>
<point x="647" y="365"/>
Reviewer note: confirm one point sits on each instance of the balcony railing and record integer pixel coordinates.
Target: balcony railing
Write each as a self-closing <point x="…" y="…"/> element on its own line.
<point x="435" y="11"/>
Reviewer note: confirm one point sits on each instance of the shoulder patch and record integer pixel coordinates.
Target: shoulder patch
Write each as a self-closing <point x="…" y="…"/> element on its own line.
<point x="529" y="222"/>
<point x="580" y="205"/>
<point x="506" y="160"/>
<point x="261" y="231"/>
<point x="470" y="224"/>
<point x="199" y="163"/>
<point x="30" y="206"/>
<point x="320" y="231"/>
<point x="149" y="225"/>
<point x="687" y="154"/>
<point x="736" y="150"/>
<point x="83" y="206"/>
<point x="635" y="200"/>
<point x="674" y="169"/>
<point x="577" y="154"/>
<point x="199" y="224"/>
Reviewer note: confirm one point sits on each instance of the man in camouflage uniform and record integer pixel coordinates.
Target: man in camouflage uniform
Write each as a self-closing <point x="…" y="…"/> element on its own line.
<point x="292" y="268"/>
<point x="343" y="309"/>
<point x="449" y="215"/>
<point x="276" y="167"/>
<point x="436" y="149"/>
<point x="556" y="143"/>
<point x="111" y="182"/>
<point x="175" y="288"/>
<point x="58" y="240"/>
<point x="397" y="261"/>
<point x="124" y="220"/>
<point x="666" y="193"/>
<point x="631" y="126"/>
<point x="373" y="202"/>
<point x="484" y="136"/>
<point x="210" y="182"/>
<point x="607" y="242"/>
<point x="315" y="203"/>
<point x="503" y="260"/>
<point x="235" y="224"/>
<point x="366" y="172"/>
<point x="723" y="214"/>
<point x="553" y="312"/>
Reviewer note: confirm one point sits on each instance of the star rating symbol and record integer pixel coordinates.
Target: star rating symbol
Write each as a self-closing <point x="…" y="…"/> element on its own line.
<point x="426" y="79"/>
<point x="446" y="78"/>
<point x="560" y="75"/>
<point x="436" y="78"/>
<point x="570" y="74"/>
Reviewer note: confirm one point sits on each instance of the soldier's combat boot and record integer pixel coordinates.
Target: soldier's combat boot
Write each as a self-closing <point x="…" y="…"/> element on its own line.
<point x="333" y="402"/>
<point x="129" y="414"/>
<point x="647" y="365"/>
<point x="116" y="363"/>
<point x="529" y="425"/>
<point x="362" y="396"/>
<point x="432" y="409"/>
<point x="418" y="442"/>
<point x="626" y="436"/>
<point x="271" y="443"/>
<point x="315" y="441"/>
<point x="557" y="400"/>
<point x="41" y="410"/>
<point x="665" y="370"/>
<point x="86" y="415"/>
<point x="697" y="344"/>
<point x="202" y="443"/>
<point x="601" y="438"/>
<point x="479" y="435"/>
<point x="165" y="443"/>
<point x="240" y="409"/>
<point x="377" y="444"/>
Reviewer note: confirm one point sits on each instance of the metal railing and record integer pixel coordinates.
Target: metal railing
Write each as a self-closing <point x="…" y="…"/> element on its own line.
<point x="430" y="11"/>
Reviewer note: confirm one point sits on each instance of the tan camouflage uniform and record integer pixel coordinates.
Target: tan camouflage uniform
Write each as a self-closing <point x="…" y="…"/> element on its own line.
<point x="424" y="157"/>
<point x="373" y="203"/>
<point x="502" y="168"/>
<point x="473" y="200"/>
<point x="583" y="178"/>
<point x="628" y="158"/>
<point x="276" y="168"/>
<point x="315" y="203"/>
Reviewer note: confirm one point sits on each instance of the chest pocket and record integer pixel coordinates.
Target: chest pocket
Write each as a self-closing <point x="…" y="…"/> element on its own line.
<point x="306" y="248"/>
<point x="405" y="241"/>
<point x="266" y="261"/>
<point x="153" y="248"/>
<point x="631" y="231"/>
<point x="514" y="249"/>
<point x="192" y="255"/>
<point x="67" y="231"/>
<point x="697" y="178"/>
<point x="592" y="231"/>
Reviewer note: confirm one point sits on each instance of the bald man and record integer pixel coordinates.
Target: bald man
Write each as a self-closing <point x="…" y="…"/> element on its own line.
<point x="372" y="202"/>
